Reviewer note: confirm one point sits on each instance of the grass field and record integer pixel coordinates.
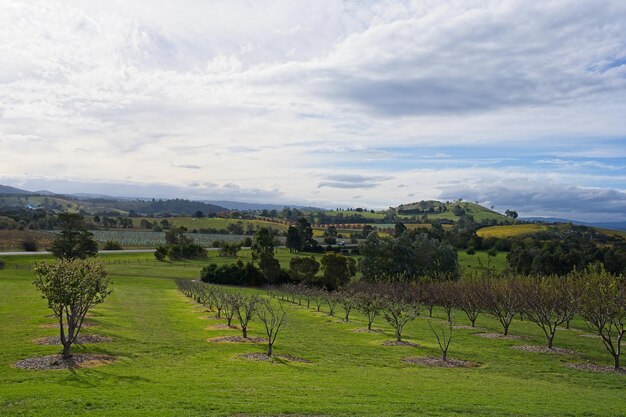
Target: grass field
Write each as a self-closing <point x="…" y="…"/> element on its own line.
<point x="166" y="367"/>
<point x="511" y="230"/>
<point x="215" y="223"/>
<point x="11" y="240"/>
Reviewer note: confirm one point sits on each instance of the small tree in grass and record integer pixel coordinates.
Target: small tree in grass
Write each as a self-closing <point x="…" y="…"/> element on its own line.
<point x="273" y="315"/>
<point x="471" y="297"/>
<point x="546" y="302"/>
<point x="399" y="307"/>
<point x="370" y="304"/>
<point x="245" y="306"/>
<point x="502" y="300"/>
<point x="347" y="301"/>
<point x="71" y="287"/>
<point x="443" y="338"/>
<point x="229" y="307"/>
<point x="603" y="306"/>
<point x="331" y="299"/>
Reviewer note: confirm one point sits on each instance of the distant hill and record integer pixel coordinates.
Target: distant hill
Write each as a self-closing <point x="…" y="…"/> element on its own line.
<point x="237" y="205"/>
<point x="451" y="211"/>
<point x="605" y="225"/>
<point x="5" y="189"/>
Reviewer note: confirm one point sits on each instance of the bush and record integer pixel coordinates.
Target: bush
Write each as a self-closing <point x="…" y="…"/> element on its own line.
<point x="2" y="264"/>
<point x="186" y="251"/>
<point x="330" y="240"/>
<point x="160" y="253"/>
<point x="112" y="245"/>
<point x="471" y="251"/>
<point x="232" y="274"/>
<point x="30" y="245"/>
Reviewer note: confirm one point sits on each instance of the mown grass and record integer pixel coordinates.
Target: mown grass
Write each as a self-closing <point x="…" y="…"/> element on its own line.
<point x="511" y="230"/>
<point x="166" y="367"/>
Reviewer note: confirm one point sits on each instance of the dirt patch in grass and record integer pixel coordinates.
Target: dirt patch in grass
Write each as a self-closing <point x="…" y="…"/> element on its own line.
<point x="544" y="349"/>
<point x="236" y="339"/>
<point x="400" y="343"/>
<point x="592" y="367"/>
<point x="84" y="339"/>
<point x="590" y="335"/>
<point x="437" y="362"/>
<point x="56" y="325"/>
<point x="498" y="336"/>
<point x="366" y="330"/>
<point x="85" y="360"/>
<point x="274" y="358"/>
<point x="222" y="327"/>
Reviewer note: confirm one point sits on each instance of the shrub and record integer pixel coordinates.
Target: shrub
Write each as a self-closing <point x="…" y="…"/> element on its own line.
<point x="232" y="274"/>
<point x="160" y="253"/>
<point x="30" y="245"/>
<point x="471" y="251"/>
<point x="2" y="264"/>
<point x="112" y="245"/>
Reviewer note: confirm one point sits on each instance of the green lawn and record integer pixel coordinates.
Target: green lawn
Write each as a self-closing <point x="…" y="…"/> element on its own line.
<point x="166" y="367"/>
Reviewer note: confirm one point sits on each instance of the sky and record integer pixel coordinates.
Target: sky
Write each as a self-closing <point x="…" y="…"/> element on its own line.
<point x="516" y="104"/>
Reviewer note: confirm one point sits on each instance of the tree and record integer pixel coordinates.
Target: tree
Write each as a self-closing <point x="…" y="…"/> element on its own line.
<point x="399" y="229"/>
<point x="303" y="269"/>
<point x="443" y="339"/>
<point x="293" y="241"/>
<point x="263" y="252"/>
<point x="245" y="306"/>
<point x="603" y="306"/>
<point x="546" y="301"/>
<point x="470" y="295"/>
<point x="337" y="270"/>
<point x="177" y="236"/>
<point x="273" y="316"/>
<point x="370" y="304"/>
<point x="74" y="241"/>
<point x="501" y="298"/>
<point x="72" y="287"/>
<point x="511" y="213"/>
<point x="399" y="307"/>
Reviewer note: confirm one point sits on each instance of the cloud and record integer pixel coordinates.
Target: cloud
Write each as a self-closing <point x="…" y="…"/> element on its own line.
<point x="352" y="181"/>
<point x="322" y="97"/>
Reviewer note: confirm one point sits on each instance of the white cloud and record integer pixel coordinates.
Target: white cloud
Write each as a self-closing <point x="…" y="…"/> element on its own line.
<point x="276" y="97"/>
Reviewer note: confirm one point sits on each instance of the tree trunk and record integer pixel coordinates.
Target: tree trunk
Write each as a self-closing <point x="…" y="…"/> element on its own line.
<point x="473" y="322"/>
<point x="369" y="325"/>
<point x="244" y="332"/>
<point x="398" y="335"/>
<point x="506" y="329"/>
<point x="347" y="316"/>
<point x="550" y="340"/>
<point x="444" y="357"/>
<point x="67" y="350"/>
<point x="616" y="362"/>
<point x="269" y="350"/>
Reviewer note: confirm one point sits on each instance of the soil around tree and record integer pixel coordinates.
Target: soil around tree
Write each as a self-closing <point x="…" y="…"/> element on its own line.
<point x="55" y="362"/>
<point x="592" y="367"/>
<point x="437" y="362"/>
<point x="274" y="358"/>
<point x="82" y="339"/>
<point x="237" y="339"/>
<point x="498" y="336"/>
<point x="400" y="343"/>
<point x="222" y="327"/>
<point x="56" y="325"/>
<point x="366" y="330"/>
<point x="544" y="349"/>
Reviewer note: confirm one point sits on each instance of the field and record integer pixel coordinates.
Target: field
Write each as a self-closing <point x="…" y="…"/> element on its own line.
<point x="166" y="367"/>
<point x="215" y="223"/>
<point x="511" y="230"/>
<point x="11" y="240"/>
<point x="146" y="239"/>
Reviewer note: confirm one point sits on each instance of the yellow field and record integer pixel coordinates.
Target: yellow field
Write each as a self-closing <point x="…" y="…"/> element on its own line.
<point x="511" y="230"/>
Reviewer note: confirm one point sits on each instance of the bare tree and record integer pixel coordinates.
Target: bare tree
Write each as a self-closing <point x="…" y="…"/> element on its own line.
<point x="230" y="306"/>
<point x="245" y="306"/>
<point x="72" y="287"/>
<point x="370" y="304"/>
<point x="399" y="307"/>
<point x="502" y="301"/>
<point x="471" y="297"/>
<point x="443" y="339"/>
<point x="603" y="306"/>
<point x="331" y="299"/>
<point x="273" y="315"/>
<point x="546" y="302"/>
<point x="347" y="301"/>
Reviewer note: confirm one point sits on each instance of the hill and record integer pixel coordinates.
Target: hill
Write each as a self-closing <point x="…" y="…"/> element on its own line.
<point x="452" y="211"/>
<point x="5" y="189"/>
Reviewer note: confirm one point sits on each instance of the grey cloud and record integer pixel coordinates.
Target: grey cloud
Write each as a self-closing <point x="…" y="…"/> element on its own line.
<point x="349" y="181"/>
<point x="545" y="199"/>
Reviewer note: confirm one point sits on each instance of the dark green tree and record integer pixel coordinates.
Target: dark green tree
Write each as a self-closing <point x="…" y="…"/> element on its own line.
<point x="74" y="241"/>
